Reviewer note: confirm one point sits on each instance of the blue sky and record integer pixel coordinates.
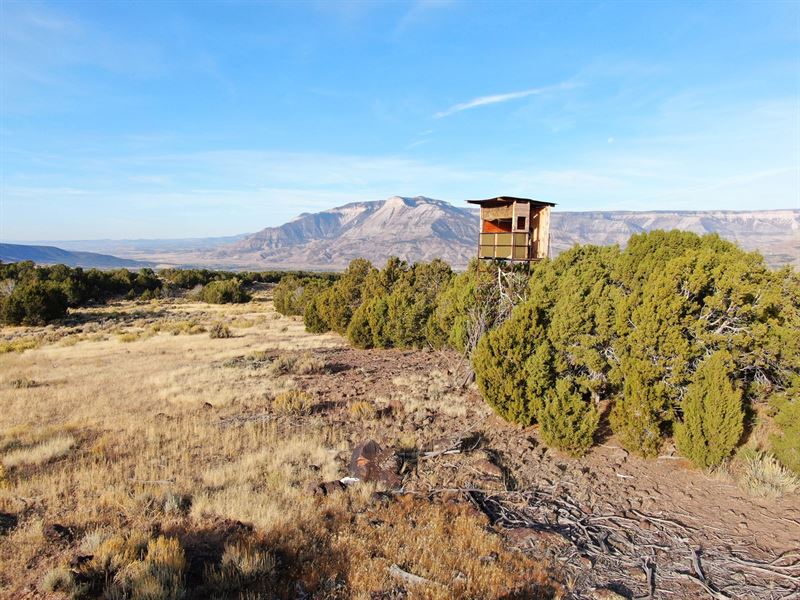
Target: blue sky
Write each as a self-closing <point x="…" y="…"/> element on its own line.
<point x="159" y="119"/>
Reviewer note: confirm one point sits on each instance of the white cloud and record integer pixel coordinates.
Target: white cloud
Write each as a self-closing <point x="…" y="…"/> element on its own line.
<point x="498" y="98"/>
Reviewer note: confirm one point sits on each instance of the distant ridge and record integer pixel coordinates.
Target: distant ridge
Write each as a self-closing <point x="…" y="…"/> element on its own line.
<point x="421" y="228"/>
<point x="50" y="255"/>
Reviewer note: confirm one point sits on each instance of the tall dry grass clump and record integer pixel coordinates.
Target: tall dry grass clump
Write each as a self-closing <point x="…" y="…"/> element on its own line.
<point x="293" y="402"/>
<point x="763" y="475"/>
<point x="219" y="330"/>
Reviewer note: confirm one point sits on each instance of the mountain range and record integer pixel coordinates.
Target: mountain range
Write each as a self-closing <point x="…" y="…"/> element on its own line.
<point x="50" y="255"/>
<point x="422" y="228"/>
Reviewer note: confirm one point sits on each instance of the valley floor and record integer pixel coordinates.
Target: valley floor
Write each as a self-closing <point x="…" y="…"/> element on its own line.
<point x="131" y="420"/>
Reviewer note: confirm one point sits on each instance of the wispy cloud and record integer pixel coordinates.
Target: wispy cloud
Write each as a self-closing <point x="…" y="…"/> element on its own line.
<point x="498" y="98"/>
<point x="420" y="11"/>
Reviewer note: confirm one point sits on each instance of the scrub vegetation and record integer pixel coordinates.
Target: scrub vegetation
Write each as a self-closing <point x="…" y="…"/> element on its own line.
<point x="676" y="335"/>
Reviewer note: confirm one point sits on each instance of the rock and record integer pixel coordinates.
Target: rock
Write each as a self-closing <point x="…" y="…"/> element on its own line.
<point x="370" y="462"/>
<point x="81" y="559"/>
<point x="637" y="574"/>
<point x="7" y="522"/>
<point x="525" y="537"/>
<point x="607" y="594"/>
<point x="327" y="488"/>
<point x="58" y="533"/>
<point x="488" y="468"/>
<point x="381" y="498"/>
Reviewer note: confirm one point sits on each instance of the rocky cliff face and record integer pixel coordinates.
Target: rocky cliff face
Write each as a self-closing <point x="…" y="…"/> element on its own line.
<point x="774" y="233"/>
<point x="411" y="228"/>
<point x="422" y="229"/>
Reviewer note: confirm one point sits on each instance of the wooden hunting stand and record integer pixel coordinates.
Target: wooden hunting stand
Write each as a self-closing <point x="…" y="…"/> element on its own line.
<point x="516" y="230"/>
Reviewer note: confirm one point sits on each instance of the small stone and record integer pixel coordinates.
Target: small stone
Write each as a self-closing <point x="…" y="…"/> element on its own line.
<point x="525" y="537"/>
<point x="381" y="497"/>
<point x="606" y="594"/>
<point x="637" y="574"/>
<point x="58" y="533"/>
<point x="7" y="522"/>
<point x="78" y="561"/>
<point x="459" y="578"/>
<point x="327" y="488"/>
<point x="488" y="468"/>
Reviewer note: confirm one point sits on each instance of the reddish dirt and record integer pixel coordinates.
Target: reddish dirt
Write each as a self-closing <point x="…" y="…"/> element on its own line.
<point x="718" y="515"/>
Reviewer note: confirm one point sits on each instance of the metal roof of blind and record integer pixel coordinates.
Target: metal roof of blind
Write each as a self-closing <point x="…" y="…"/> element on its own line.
<point x="506" y="199"/>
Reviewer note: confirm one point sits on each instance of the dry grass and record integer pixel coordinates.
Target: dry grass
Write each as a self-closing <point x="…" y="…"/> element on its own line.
<point x="302" y="364"/>
<point x="22" y="383"/>
<point x="362" y="410"/>
<point x="435" y="391"/>
<point x="413" y="534"/>
<point x="219" y="330"/>
<point x="293" y="402"/>
<point x="41" y="453"/>
<point x="243" y="564"/>
<point x="19" y="345"/>
<point x="763" y="476"/>
<point x="134" y="336"/>
<point x="148" y="479"/>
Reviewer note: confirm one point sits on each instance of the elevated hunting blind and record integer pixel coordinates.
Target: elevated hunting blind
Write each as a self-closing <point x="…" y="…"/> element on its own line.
<point x="514" y="229"/>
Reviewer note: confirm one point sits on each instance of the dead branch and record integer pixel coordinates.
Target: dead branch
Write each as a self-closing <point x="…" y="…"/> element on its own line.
<point x="615" y="542"/>
<point x="409" y="578"/>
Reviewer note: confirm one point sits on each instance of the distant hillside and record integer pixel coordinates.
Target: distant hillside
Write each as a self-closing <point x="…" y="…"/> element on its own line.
<point x="50" y="255"/>
<point x="774" y="233"/>
<point x="136" y="247"/>
<point x="412" y="228"/>
<point x="421" y="229"/>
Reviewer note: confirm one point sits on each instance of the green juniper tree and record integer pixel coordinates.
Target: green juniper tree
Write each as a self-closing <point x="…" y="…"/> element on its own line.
<point x="713" y="418"/>
<point x="568" y="418"/>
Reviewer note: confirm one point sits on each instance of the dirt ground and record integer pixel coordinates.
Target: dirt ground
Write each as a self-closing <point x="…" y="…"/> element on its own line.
<point x="714" y="515"/>
<point x="609" y="523"/>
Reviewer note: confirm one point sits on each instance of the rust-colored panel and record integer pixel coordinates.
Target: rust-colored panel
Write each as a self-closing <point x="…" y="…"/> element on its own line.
<point x="496" y="227"/>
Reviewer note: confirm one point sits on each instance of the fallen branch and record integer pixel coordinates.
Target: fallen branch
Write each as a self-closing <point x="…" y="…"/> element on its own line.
<point x="409" y="578"/>
<point x="614" y="544"/>
<point x="714" y="593"/>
